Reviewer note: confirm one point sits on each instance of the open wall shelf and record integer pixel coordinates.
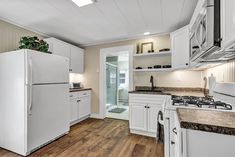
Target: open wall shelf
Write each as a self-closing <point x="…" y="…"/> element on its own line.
<point x="154" y="70"/>
<point x="163" y="53"/>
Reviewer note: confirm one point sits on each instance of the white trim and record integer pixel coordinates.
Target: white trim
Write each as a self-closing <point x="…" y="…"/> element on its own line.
<point x="96" y="116"/>
<point x="144" y="133"/>
<point x="103" y="54"/>
<point x="125" y="39"/>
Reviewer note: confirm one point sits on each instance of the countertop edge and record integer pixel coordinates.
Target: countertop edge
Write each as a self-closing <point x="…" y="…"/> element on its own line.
<point x="79" y="89"/>
<point x="207" y="128"/>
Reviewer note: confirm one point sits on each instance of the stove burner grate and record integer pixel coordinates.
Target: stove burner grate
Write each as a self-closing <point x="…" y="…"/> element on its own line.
<point x="201" y="102"/>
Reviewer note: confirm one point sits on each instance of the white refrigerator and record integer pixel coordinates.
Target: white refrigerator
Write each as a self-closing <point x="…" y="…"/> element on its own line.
<point x="34" y="99"/>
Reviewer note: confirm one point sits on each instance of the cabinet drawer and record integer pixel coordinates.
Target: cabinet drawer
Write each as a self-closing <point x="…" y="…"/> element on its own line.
<point x="73" y="95"/>
<point x="147" y="98"/>
<point x="84" y="93"/>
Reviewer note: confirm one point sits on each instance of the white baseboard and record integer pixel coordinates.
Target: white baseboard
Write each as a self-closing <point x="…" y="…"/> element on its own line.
<point x="96" y="116"/>
<point x="144" y="133"/>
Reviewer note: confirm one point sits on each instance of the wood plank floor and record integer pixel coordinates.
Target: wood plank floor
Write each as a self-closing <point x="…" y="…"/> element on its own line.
<point x="98" y="138"/>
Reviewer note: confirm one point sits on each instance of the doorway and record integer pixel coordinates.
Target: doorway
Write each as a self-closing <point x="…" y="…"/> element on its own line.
<point x="116" y="81"/>
<point x="117" y="86"/>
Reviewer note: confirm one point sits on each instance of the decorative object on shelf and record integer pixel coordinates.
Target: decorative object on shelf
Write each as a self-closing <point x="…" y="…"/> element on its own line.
<point x="138" y="49"/>
<point x="166" y="66"/>
<point x="33" y="43"/>
<point x="138" y="68"/>
<point x="157" y="66"/>
<point x="147" y="47"/>
<point x="150" y="67"/>
<point x="163" y="50"/>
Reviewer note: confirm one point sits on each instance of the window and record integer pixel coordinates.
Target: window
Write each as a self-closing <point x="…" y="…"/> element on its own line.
<point x="122" y="78"/>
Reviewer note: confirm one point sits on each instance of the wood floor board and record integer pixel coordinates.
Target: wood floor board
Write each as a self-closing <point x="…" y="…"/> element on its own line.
<point x="98" y="138"/>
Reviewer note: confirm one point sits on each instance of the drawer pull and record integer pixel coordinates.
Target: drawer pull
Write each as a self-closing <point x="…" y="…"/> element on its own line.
<point x="174" y="131"/>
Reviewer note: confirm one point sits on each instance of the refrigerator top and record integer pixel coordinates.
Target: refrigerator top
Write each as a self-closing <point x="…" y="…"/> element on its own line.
<point x="43" y="68"/>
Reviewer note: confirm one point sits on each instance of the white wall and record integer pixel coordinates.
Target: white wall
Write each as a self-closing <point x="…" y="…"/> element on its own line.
<point x="170" y="79"/>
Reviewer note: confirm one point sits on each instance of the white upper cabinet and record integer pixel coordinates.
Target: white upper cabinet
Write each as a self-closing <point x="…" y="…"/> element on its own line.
<point x="227" y="22"/>
<point x="58" y="47"/>
<point x="77" y="59"/>
<point x="75" y="54"/>
<point x="180" y="48"/>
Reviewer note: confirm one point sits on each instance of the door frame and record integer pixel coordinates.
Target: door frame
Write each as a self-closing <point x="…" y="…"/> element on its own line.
<point x="103" y="54"/>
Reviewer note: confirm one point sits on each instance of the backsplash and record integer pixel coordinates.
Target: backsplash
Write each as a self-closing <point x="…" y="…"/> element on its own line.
<point x="223" y="73"/>
<point x="76" y="78"/>
<point x="184" y="78"/>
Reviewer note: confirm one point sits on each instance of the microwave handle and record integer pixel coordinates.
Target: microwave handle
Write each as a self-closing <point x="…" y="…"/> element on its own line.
<point x="198" y="43"/>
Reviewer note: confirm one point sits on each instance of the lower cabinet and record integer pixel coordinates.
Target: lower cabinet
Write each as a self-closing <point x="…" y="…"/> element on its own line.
<point x="80" y="106"/>
<point x="84" y="106"/>
<point x="144" y="110"/>
<point x="73" y="110"/>
<point x="138" y="116"/>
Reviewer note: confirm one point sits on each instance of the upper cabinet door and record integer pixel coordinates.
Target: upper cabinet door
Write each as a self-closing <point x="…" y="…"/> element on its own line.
<point x="58" y="47"/>
<point x="180" y="48"/>
<point x="77" y="59"/>
<point x="227" y="22"/>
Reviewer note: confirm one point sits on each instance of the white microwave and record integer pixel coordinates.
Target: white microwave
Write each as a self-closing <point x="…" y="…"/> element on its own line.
<point x="205" y="35"/>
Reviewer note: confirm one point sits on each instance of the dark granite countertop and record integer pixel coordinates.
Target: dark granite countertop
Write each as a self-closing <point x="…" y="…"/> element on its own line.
<point x="169" y="91"/>
<point x="149" y="92"/>
<point x="78" y="89"/>
<point x="222" y="122"/>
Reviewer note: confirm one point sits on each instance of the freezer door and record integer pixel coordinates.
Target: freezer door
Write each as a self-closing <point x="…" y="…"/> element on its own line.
<point x="48" y="114"/>
<point x="44" y="68"/>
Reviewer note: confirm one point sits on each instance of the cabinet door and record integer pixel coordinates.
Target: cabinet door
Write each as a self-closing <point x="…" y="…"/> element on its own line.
<point x="138" y="116"/>
<point x="77" y="59"/>
<point x="180" y="48"/>
<point x="153" y="110"/>
<point x="73" y="110"/>
<point x="178" y="137"/>
<point x="84" y="107"/>
<point x="228" y="22"/>
<point x="61" y="48"/>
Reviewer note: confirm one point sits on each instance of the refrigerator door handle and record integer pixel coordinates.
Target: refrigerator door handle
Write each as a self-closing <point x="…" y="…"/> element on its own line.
<point x="30" y="99"/>
<point x="30" y="86"/>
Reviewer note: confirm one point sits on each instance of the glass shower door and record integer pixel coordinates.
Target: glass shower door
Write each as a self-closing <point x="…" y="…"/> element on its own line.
<point x="111" y="84"/>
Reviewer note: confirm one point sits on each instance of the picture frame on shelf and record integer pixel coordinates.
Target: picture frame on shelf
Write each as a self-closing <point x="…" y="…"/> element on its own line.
<point x="147" y="47"/>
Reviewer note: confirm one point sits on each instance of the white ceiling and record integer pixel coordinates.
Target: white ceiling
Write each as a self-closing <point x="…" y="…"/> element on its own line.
<point x="104" y="21"/>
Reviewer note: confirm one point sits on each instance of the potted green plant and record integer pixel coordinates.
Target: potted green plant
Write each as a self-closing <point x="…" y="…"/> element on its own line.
<point x="33" y="43"/>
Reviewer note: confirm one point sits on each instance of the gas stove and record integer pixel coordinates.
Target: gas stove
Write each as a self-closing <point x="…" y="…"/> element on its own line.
<point x="199" y="102"/>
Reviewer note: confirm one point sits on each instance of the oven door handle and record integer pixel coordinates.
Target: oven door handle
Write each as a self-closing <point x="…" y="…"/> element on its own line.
<point x="161" y="121"/>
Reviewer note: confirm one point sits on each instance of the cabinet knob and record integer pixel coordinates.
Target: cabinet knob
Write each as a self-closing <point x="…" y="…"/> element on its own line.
<point x="186" y="64"/>
<point x="70" y="69"/>
<point x="174" y="131"/>
<point x="172" y="142"/>
<point x="78" y="100"/>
